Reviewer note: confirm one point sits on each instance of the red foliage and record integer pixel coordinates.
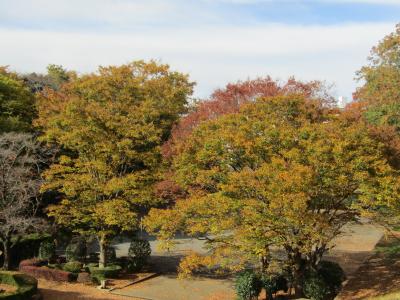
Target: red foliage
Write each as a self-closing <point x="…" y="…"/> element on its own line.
<point x="233" y="96"/>
<point x="169" y="191"/>
<point x="47" y="273"/>
<point x="34" y="267"/>
<point x="32" y="262"/>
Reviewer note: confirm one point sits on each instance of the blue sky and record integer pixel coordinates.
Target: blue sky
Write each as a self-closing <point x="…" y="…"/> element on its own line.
<point x="215" y="41"/>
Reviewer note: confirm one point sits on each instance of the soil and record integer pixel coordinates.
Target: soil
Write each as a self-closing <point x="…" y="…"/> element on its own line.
<point x="51" y="290"/>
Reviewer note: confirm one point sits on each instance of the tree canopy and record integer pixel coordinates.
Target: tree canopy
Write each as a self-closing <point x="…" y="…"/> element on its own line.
<point x="17" y="103"/>
<point x="111" y="125"/>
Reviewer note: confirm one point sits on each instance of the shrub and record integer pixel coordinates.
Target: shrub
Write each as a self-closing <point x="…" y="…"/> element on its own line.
<point x="315" y="287"/>
<point x="248" y="285"/>
<point x="73" y="267"/>
<point x="32" y="262"/>
<point x="110" y="271"/>
<point x="76" y="250"/>
<point x="332" y="274"/>
<point x="139" y="252"/>
<point x="274" y="283"/>
<point x="47" y="250"/>
<point x="26" y="285"/>
<point x="49" y="274"/>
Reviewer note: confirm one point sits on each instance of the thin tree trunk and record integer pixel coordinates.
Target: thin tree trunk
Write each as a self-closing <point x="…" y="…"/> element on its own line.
<point x="102" y="258"/>
<point x="6" y="254"/>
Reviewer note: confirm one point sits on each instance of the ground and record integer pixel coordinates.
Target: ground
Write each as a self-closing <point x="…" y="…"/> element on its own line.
<point x="52" y="290"/>
<point x="378" y="276"/>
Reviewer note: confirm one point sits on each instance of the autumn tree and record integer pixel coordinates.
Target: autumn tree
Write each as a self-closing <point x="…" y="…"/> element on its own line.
<point x="17" y="103"/>
<point x="111" y="125"/>
<point x="378" y="99"/>
<point x="282" y="172"/>
<point x="233" y="96"/>
<point x="20" y="164"/>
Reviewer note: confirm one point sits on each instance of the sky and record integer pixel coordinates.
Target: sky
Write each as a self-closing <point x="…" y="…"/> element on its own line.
<point x="214" y="41"/>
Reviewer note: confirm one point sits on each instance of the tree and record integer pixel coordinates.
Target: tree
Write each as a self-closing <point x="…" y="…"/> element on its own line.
<point x="233" y="96"/>
<point x="379" y="97"/>
<point x="284" y="171"/>
<point x="17" y="103"/>
<point x="19" y="189"/>
<point x="55" y="77"/>
<point x="111" y="125"/>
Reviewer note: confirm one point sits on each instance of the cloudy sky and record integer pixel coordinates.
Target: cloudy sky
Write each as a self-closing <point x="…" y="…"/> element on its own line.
<point x="215" y="41"/>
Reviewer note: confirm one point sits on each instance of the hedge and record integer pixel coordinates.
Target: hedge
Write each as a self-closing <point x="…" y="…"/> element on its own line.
<point x="30" y="267"/>
<point x="26" y="285"/>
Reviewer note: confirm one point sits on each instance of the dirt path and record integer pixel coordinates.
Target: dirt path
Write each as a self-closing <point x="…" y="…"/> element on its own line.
<point x="379" y="275"/>
<point x="51" y="290"/>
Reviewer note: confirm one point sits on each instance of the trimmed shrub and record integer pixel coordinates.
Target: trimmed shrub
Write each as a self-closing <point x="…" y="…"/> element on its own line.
<point x="47" y="250"/>
<point x="32" y="262"/>
<point x="73" y="266"/>
<point x="248" y="285"/>
<point x="315" y="287"/>
<point x="139" y="252"/>
<point x="110" y="271"/>
<point x="26" y="285"/>
<point x="49" y="274"/>
<point x="76" y="250"/>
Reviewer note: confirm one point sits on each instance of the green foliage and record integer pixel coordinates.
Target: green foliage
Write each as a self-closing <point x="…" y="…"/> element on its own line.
<point x="98" y="274"/>
<point x="73" y="266"/>
<point x="248" y="285"/>
<point x="26" y="285"/>
<point x="17" y="104"/>
<point x="47" y="249"/>
<point x="315" y="287"/>
<point x="273" y="283"/>
<point x="333" y="275"/>
<point x="76" y="250"/>
<point x="139" y="252"/>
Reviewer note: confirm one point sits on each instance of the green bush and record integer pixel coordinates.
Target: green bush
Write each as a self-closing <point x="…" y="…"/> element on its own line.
<point x="274" y="283"/>
<point x="315" y="287"/>
<point x="76" y="250"/>
<point x="26" y="285"/>
<point x="110" y="271"/>
<point x="138" y="254"/>
<point x="248" y="285"/>
<point x="333" y="276"/>
<point x="73" y="266"/>
<point x="47" y="250"/>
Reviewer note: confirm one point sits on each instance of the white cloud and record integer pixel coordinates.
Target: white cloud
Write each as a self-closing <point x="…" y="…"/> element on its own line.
<point x="212" y="55"/>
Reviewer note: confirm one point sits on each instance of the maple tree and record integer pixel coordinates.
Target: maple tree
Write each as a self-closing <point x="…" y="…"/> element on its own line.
<point x="284" y="172"/>
<point x="233" y="96"/>
<point x="110" y="125"/>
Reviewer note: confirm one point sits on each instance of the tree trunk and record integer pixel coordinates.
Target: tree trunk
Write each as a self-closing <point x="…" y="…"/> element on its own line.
<point x="298" y="274"/>
<point x="6" y="254"/>
<point x="103" y="256"/>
